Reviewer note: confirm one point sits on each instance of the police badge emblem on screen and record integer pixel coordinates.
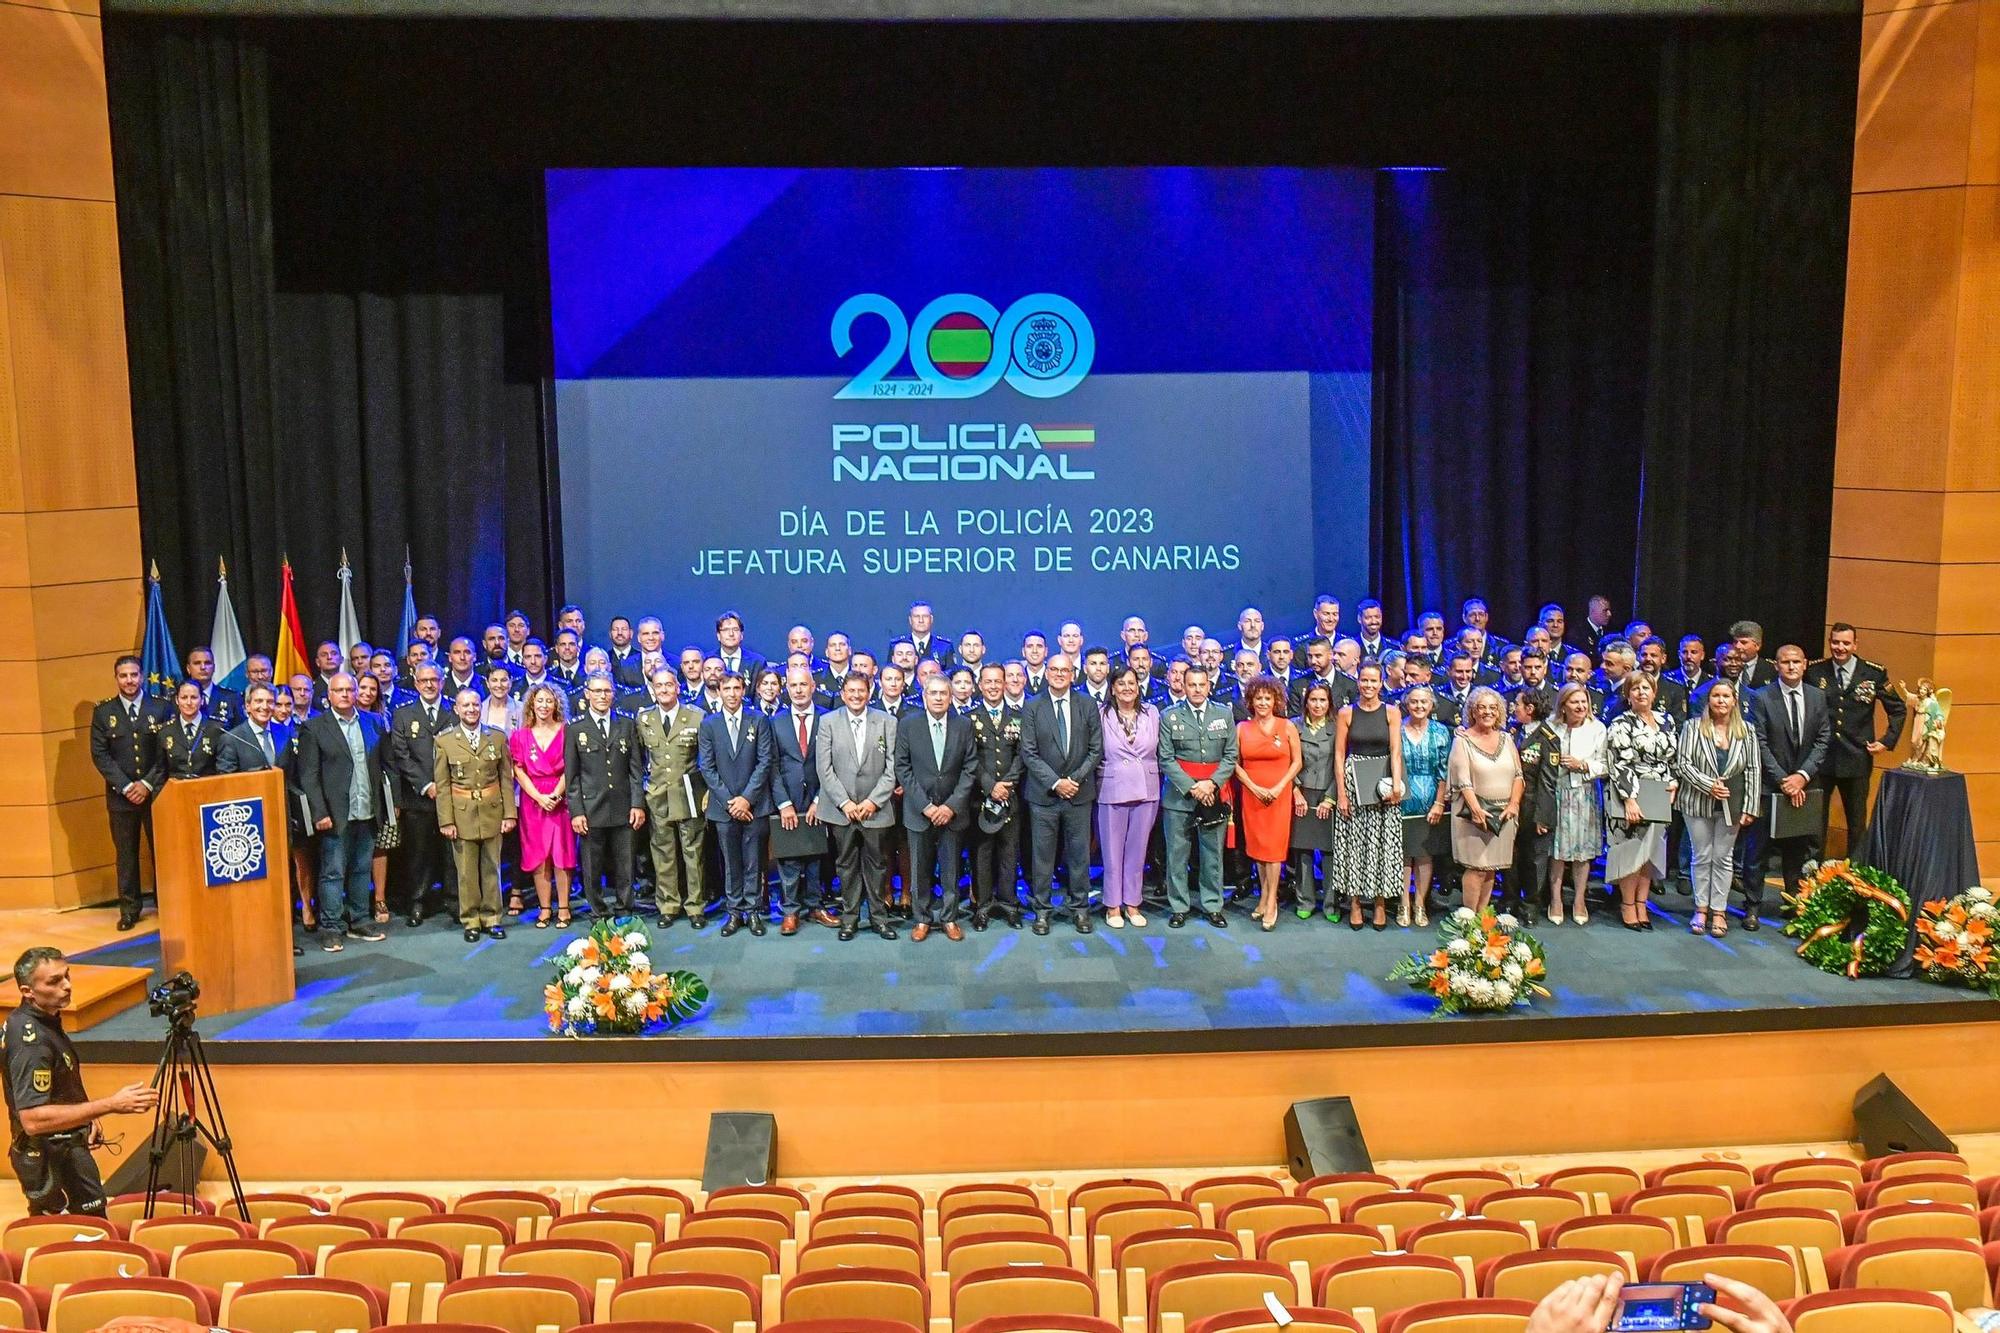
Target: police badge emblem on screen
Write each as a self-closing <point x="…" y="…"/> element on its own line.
<point x="232" y="840"/>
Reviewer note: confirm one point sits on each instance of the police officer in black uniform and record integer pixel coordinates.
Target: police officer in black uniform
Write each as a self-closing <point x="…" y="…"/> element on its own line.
<point x="53" y="1121"/>
<point x="125" y="747"/>
<point x="996" y="835"/>
<point x="1853" y="686"/>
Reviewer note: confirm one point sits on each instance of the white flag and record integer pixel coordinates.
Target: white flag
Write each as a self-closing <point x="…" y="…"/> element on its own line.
<point x="350" y="624"/>
<point x="225" y="640"/>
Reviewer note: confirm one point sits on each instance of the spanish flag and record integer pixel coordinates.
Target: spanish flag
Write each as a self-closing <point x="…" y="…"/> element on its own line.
<point x="290" y="659"/>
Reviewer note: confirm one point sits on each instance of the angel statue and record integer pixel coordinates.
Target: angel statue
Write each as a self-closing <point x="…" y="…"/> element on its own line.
<point x="1930" y="709"/>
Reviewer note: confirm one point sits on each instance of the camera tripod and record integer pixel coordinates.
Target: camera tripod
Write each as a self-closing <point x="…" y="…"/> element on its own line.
<point x="188" y="1110"/>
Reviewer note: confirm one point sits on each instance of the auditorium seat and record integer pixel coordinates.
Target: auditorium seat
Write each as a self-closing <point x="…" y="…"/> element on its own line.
<point x="1462" y="1316"/>
<point x="1195" y="1291"/>
<point x="1302" y="1319"/>
<point x="414" y="1327"/>
<point x="586" y="1262"/>
<point x="714" y="1301"/>
<point x="1474" y="1239"/>
<point x="1800" y="1228"/>
<point x="773" y="1198"/>
<point x="1116" y="1221"/>
<point x="1607" y="1179"/>
<point x="1627" y="1233"/>
<point x="758" y="1224"/>
<point x="213" y="1263"/>
<point x="857" y="1223"/>
<point x="313" y="1233"/>
<point x="641" y="1326"/>
<point x="1385" y="1282"/>
<point x="457" y="1232"/>
<point x="125" y="1209"/>
<point x="1880" y="1311"/>
<point x="1897" y="1221"/>
<point x="386" y="1207"/>
<point x="991" y="1249"/>
<point x="271" y="1204"/>
<point x="287" y="1304"/>
<point x="1989" y="1223"/>
<point x="1543" y="1207"/>
<point x="897" y="1252"/>
<point x="80" y="1260"/>
<point x="1957" y="1268"/>
<point x="166" y="1234"/>
<point x="94" y="1302"/>
<point x="1047" y="1323"/>
<point x="1344" y="1188"/>
<point x="1678" y="1201"/>
<point x="1531" y="1276"/>
<point x="1734" y="1177"/>
<point x="28" y="1233"/>
<point x="1093" y="1197"/>
<point x="655" y="1201"/>
<point x="511" y="1208"/>
<point x="1262" y="1216"/>
<point x="1465" y="1183"/>
<point x="1811" y="1168"/>
<point x="1913" y="1164"/>
<point x="986" y="1217"/>
<point x="18" y="1308"/>
<point x="1218" y="1192"/>
<point x="736" y="1256"/>
<point x="1150" y="1252"/>
<point x="518" y="1303"/>
<point x="1765" y="1267"/>
<point x="382" y="1264"/>
<point x="1835" y="1196"/>
<point x="850" y="1292"/>
<point x="978" y="1193"/>
<point x="1319" y="1244"/>
<point x="1913" y="1187"/>
<point x="873" y="1199"/>
<point x="1989" y="1192"/>
<point x="628" y="1231"/>
<point x="1037" y="1290"/>
<point x="1401" y="1209"/>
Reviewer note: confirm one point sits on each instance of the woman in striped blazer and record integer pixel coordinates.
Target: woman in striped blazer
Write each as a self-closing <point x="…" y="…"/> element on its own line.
<point x="1719" y="770"/>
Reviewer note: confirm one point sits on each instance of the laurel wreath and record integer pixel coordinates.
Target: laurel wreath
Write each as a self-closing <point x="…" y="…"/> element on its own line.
<point x="1853" y="920"/>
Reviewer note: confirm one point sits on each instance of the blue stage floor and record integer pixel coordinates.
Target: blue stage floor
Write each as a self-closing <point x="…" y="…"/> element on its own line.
<point x="428" y="984"/>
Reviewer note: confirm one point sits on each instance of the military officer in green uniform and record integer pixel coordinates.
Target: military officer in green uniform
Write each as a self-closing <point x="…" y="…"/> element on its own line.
<point x="475" y="809"/>
<point x="670" y="734"/>
<point x="1853" y="686"/>
<point x="1197" y="757"/>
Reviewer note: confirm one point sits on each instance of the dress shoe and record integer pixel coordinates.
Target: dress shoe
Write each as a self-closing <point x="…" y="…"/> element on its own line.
<point x="697" y="919"/>
<point x="789" y="926"/>
<point x="822" y="917"/>
<point x="1083" y="926"/>
<point x="496" y="933"/>
<point x="1041" y="925"/>
<point x="1218" y="920"/>
<point x="298" y="951"/>
<point x="846" y="933"/>
<point x="127" y="922"/>
<point x="730" y="926"/>
<point x="667" y="920"/>
<point x="1013" y="919"/>
<point x="886" y="931"/>
<point x="1176" y="920"/>
<point x="472" y="934"/>
<point x="1750" y="921"/>
<point x="921" y="933"/>
<point x="978" y="921"/>
<point x="952" y="932"/>
<point x="756" y="922"/>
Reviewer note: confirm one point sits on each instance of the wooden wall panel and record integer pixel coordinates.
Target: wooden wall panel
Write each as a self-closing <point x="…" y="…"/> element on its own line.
<point x="1902" y="313"/>
<point x="1887" y="525"/>
<point x="1971" y="523"/>
<point x="1969" y="598"/>
<point x="1983" y="155"/>
<point x="1884" y="594"/>
<point x="84" y="546"/>
<point x="67" y="314"/>
<point x="1912" y="125"/>
<point x="1972" y="742"/>
<point x="58" y="139"/>
<point x="69" y="687"/>
<point x="10" y="450"/>
<point x="1974" y="455"/>
<point x="73" y="619"/>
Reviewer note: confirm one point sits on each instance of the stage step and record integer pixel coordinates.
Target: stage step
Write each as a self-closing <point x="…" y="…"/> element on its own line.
<point x="96" y="993"/>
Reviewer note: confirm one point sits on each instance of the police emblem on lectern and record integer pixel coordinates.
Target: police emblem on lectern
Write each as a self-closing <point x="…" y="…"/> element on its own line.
<point x="232" y="840"/>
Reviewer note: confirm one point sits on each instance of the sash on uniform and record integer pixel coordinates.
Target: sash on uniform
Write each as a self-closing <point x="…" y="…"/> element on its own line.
<point x="1225" y="795"/>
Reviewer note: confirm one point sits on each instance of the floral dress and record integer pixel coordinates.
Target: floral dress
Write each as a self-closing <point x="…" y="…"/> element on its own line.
<point x="1634" y="750"/>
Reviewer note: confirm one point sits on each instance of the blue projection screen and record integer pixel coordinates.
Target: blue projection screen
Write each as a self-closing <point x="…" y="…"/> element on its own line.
<point x="1025" y="396"/>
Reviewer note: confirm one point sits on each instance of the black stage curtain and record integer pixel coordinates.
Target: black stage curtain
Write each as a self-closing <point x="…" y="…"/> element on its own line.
<point x="380" y="386"/>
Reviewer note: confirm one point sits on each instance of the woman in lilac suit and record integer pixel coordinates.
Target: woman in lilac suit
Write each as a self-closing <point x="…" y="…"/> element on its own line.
<point x="1128" y="795"/>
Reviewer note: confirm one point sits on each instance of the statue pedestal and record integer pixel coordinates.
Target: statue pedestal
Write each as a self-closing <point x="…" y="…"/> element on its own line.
<point x="1921" y="832"/>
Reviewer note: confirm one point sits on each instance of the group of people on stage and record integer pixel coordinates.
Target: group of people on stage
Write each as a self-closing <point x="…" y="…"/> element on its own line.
<point x="1344" y="772"/>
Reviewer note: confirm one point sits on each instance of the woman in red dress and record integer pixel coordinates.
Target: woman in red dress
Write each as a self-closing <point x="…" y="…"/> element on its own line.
<point x="1267" y="760"/>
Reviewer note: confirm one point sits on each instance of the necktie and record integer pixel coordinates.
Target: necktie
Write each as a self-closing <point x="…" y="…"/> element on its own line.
<point x="1846" y="675"/>
<point x="431" y="717"/>
<point x="1062" y="724"/>
<point x="188" y="727"/>
<point x="1197" y="719"/>
<point x="132" y="711"/>
<point x="804" y="741"/>
<point x="1798" y="730"/>
<point x="937" y="741"/>
<point x="734" y="723"/>
<point x="264" y="740"/>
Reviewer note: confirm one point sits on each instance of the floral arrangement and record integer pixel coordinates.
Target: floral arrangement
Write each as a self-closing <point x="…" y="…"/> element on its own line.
<point x="1484" y="963"/>
<point x="605" y="984"/>
<point x="1955" y="941"/>
<point x="1853" y="918"/>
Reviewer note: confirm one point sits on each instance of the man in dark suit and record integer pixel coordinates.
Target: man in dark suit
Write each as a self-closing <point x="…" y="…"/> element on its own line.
<point x="340" y="772"/>
<point x="1694" y="670"/>
<point x="1753" y="668"/>
<point x="567" y="665"/>
<point x="1062" y="743"/>
<point x="729" y="647"/>
<point x="1460" y="677"/>
<point x="795" y="793"/>
<point x="1319" y="667"/>
<point x="125" y="747"/>
<point x="735" y="761"/>
<point x="461" y="672"/>
<point x="627" y="664"/>
<point x="1853" y="686"/>
<point x="257" y="743"/>
<point x="495" y="651"/>
<point x="1671" y="696"/>
<point x="1794" y="731"/>
<point x="925" y="638"/>
<point x="606" y="768"/>
<point x="223" y="705"/>
<point x="996" y="787"/>
<point x="326" y="661"/>
<point x="425" y="857"/>
<point x="936" y="770"/>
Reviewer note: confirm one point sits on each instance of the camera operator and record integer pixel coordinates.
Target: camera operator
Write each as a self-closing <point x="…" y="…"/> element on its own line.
<point x="54" y="1123"/>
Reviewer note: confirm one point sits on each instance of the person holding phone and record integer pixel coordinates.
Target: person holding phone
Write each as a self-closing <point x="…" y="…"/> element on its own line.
<point x="1589" y="1304"/>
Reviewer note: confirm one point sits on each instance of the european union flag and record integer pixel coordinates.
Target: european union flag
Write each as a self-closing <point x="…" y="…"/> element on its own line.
<point x="159" y="660"/>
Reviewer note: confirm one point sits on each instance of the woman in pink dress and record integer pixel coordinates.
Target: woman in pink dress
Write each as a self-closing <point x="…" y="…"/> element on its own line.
<point x="547" y="844"/>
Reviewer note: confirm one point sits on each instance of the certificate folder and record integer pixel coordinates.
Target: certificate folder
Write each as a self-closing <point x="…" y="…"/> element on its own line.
<point x="805" y="840"/>
<point x="1790" y="821"/>
<point x="1369" y="771"/>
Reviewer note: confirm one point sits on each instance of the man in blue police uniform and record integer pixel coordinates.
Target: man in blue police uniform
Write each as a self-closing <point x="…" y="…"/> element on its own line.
<point x="1853" y="686"/>
<point x="52" y="1120"/>
<point x="125" y="747"/>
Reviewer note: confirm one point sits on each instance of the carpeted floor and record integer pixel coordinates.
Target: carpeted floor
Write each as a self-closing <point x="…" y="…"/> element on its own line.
<point x="427" y="983"/>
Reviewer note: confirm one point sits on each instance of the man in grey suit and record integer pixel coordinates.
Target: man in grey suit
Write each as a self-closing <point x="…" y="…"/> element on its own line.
<point x="1062" y="744"/>
<point x="934" y="767"/>
<point x="1197" y="757"/>
<point x="855" y="757"/>
<point x="258" y="743"/>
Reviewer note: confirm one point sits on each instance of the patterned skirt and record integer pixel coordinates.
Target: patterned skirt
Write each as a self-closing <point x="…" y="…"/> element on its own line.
<point x="1367" y="860"/>
<point x="1579" y="833"/>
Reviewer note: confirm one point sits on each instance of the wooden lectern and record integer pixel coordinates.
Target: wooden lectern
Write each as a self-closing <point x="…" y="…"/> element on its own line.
<point x="223" y="870"/>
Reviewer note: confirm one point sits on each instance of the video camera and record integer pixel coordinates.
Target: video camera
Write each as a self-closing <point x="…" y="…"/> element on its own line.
<point x="174" y="998"/>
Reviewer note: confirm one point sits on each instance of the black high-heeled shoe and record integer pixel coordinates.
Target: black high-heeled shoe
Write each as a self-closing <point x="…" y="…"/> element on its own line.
<point x="1353" y="924"/>
<point x="1645" y="923"/>
<point x="1631" y="925"/>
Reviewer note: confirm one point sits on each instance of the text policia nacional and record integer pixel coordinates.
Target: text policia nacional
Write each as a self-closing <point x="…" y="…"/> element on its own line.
<point x="1039" y="539"/>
